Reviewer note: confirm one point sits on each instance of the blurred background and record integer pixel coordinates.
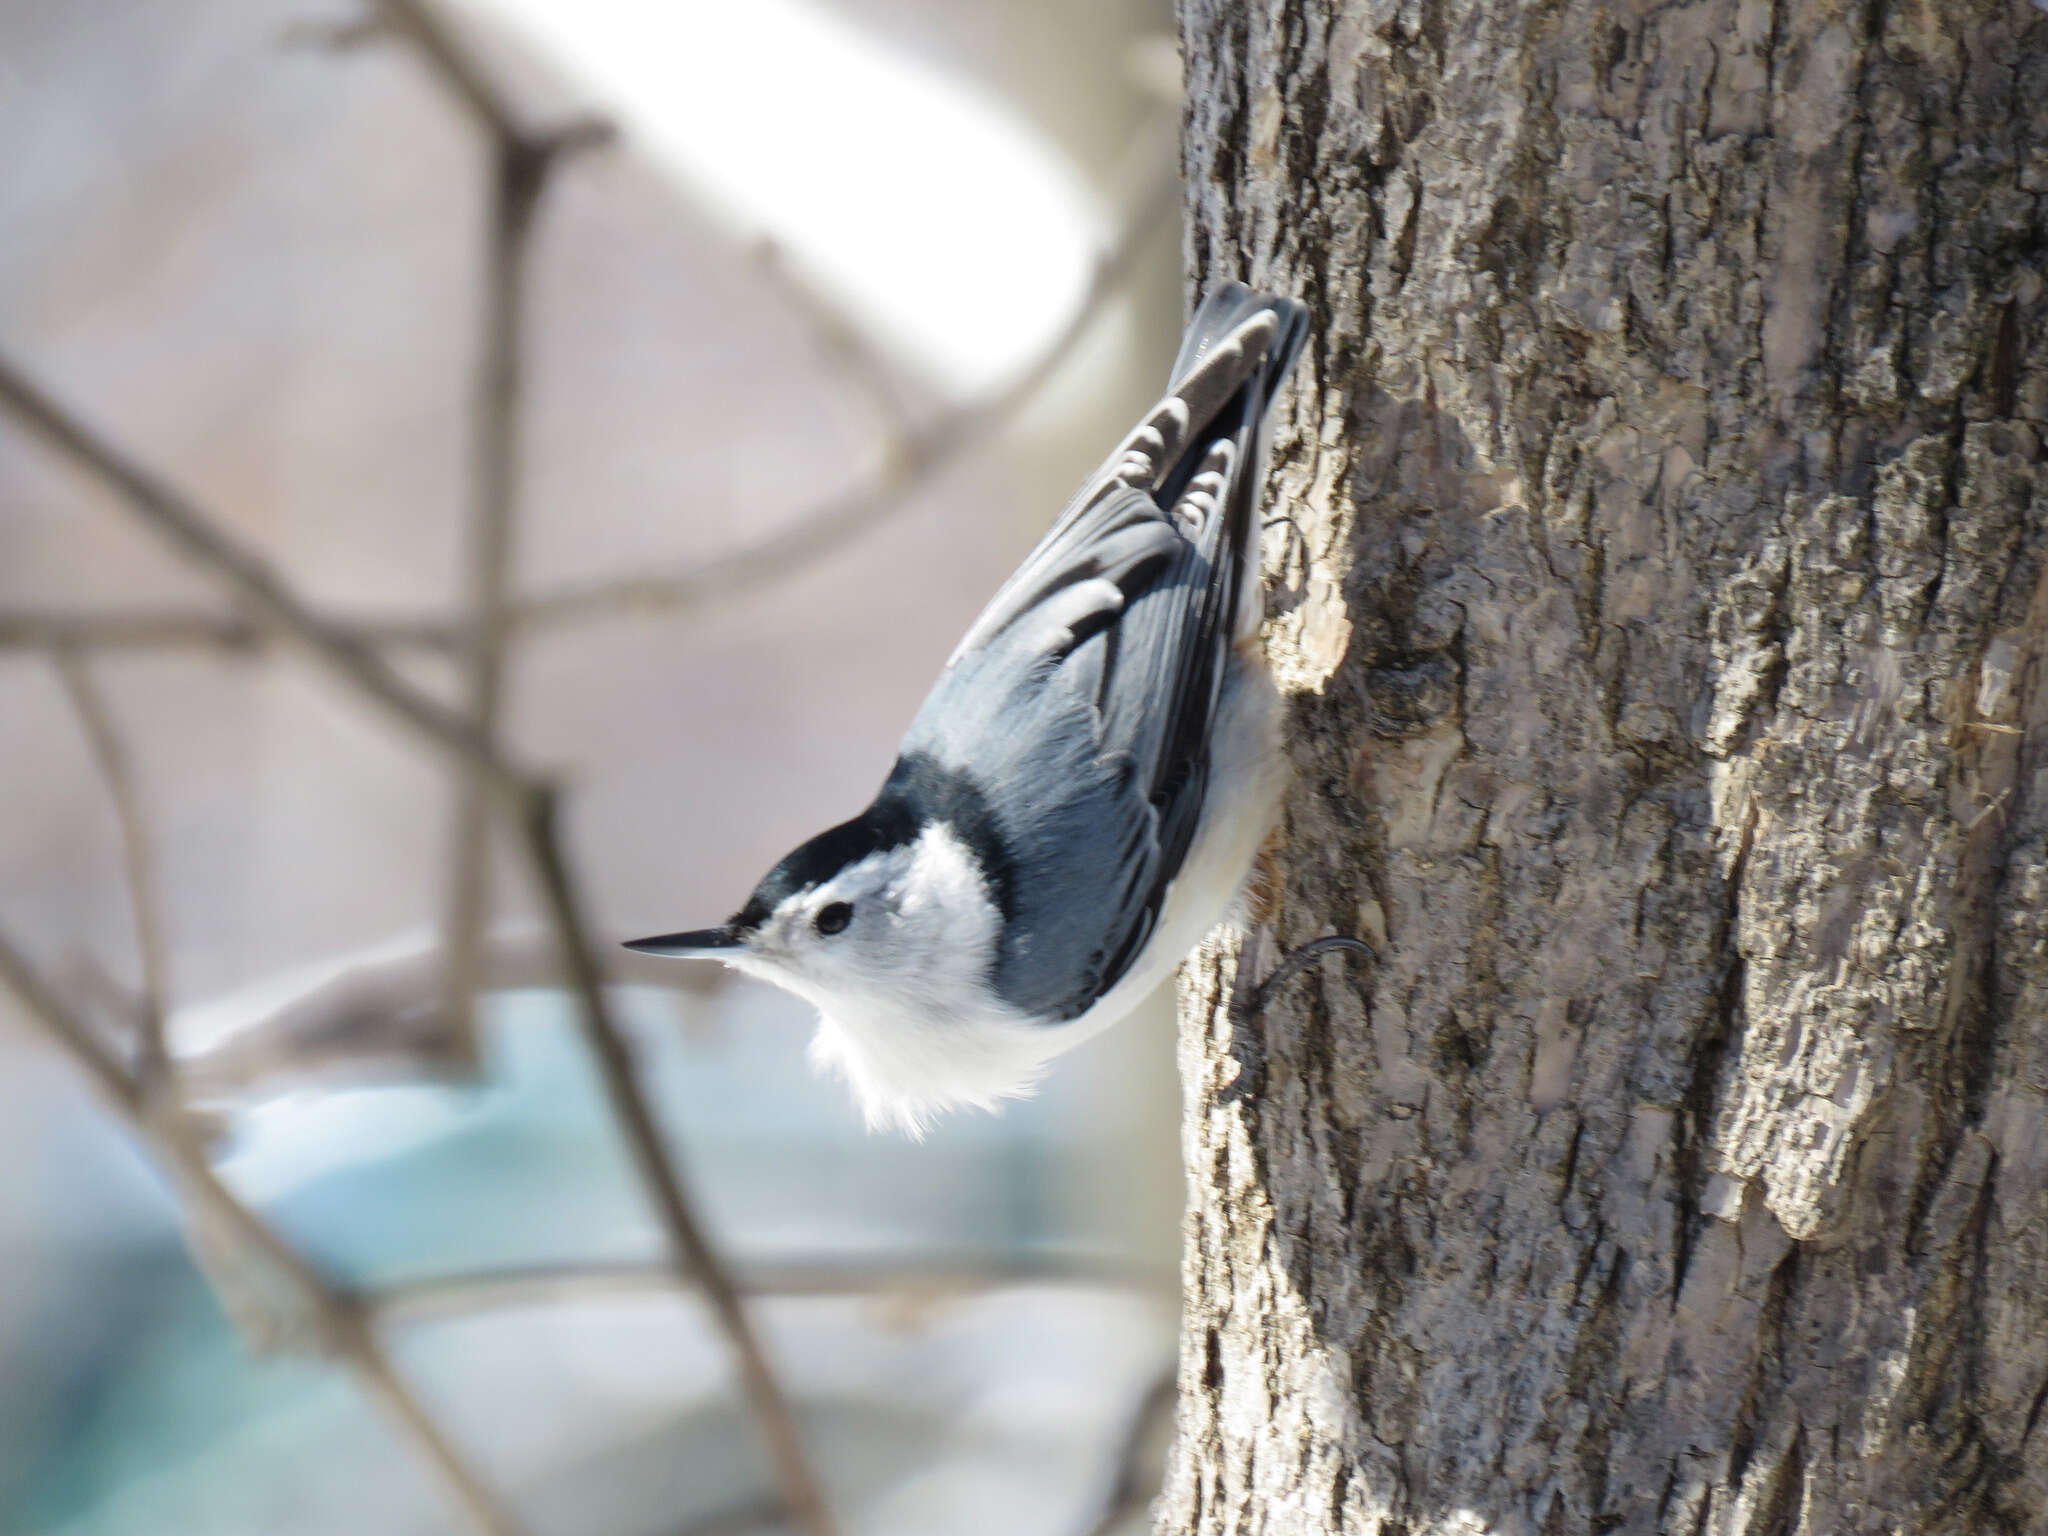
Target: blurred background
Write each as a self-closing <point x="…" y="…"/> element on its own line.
<point x="679" y="459"/>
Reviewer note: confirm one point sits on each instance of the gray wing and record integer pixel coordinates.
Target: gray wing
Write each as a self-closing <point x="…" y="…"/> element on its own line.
<point x="1080" y="702"/>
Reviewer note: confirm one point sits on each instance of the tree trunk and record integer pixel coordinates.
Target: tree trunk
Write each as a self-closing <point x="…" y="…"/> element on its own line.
<point x="1664" y="614"/>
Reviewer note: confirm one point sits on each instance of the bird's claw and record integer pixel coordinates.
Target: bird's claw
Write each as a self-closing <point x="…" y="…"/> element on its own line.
<point x="1298" y="960"/>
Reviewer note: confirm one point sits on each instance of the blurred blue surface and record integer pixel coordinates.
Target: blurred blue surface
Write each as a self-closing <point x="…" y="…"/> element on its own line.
<point x="131" y="1377"/>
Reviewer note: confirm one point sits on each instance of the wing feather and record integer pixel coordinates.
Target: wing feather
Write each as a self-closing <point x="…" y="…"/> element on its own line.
<point x="1084" y="694"/>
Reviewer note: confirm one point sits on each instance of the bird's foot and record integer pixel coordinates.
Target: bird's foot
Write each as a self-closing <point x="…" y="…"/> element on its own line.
<point x="1298" y="960"/>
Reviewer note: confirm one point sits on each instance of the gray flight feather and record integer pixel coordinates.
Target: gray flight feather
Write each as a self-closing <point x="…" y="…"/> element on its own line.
<point x="1086" y="690"/>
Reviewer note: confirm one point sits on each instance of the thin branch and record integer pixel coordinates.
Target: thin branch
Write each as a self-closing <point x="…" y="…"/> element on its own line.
<point x="420" y="24"/>
<point x="644" y="1140"/>
<point x="935" y="1275"/>
<point x="343" y="1327"/>
<point x="376" y="1015"/>
<point x="82" y="975"/>
<point x="155" y="629"/>
<point x="924" y="454"/>
<point x="345" y="656"/>
<point x="519" y="178"/>
<point x="521" y="162"/>
<point x="441" y="47"/>
<point x="825" y="527"/>
<point x="1135" y="1486"/>
<point x="921" y="456"/>
<point x="525" y="796"/>
<point x="332" y="34"/>
<point x="138" y="861"/>
<point x="205" y="543"/>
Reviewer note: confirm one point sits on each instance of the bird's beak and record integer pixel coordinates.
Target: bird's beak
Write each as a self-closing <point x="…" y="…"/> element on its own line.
<point x="698" y="944"/>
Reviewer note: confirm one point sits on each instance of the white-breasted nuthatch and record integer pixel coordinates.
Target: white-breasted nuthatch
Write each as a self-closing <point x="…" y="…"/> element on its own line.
<point x="1086" y="786"/>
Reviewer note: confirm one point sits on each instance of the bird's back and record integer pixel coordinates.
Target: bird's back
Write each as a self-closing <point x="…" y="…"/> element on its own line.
<point x="1071" y="733"/>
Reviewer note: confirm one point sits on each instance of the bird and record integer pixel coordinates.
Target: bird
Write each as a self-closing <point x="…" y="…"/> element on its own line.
<point x="1084" y="790"/>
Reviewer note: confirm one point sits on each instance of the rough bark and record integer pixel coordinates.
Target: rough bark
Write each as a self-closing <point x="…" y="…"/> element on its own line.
<point x="1664" y="612"/>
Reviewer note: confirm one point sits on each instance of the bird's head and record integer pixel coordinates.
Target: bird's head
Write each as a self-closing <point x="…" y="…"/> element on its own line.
<point x="889" y="925"/>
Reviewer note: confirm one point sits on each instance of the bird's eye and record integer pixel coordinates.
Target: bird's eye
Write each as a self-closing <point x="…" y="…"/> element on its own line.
<point x="833" y="919"/>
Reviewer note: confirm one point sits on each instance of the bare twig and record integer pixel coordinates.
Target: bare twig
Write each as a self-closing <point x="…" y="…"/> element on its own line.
<point x="643" y="1138"/>
<point x="157" y="629"/>
<point x="519" y="179"/>
<point x="1135" y="1487"/>
<point x="342" y="1325"/>
<point x="521" y="160"/>
<point x="935" y="1275"/>
<point x="344" y="652"/>
<point x="333" y="34"/>
<point x="138" y="861"/>
<point x="438" y="44"/>
<point x="376" y="1015"/>
<point x="923" y="454"/>
<point x="526" y="796"/>
<point x="441" y="47"/>
<point x="82" y="975"/>
<point x="202" y="540"/>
